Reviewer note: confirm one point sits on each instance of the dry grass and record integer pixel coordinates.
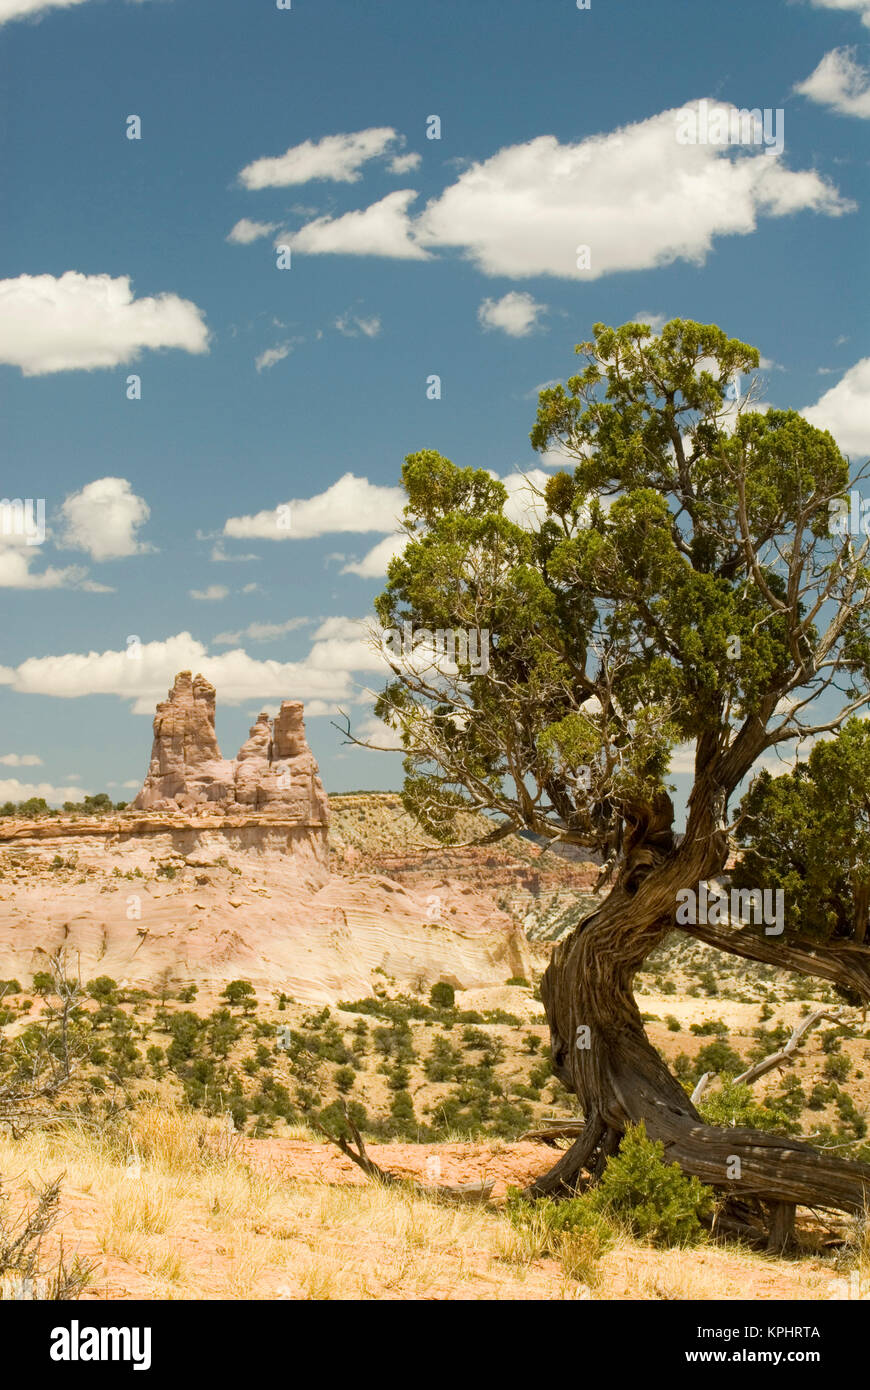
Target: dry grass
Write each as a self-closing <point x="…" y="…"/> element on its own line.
<point x="171" y="1208"/>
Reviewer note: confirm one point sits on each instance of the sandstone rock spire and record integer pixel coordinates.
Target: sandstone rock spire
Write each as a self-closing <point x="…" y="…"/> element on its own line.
<point x="274" y="772"/>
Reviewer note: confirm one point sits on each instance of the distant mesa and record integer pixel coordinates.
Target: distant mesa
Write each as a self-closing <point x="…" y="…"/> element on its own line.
<point x="275" y="771"/>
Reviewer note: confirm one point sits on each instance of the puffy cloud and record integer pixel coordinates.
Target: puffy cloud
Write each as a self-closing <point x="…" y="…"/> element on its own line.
<point x="245" y="231"/>
<point x="79" y="322"/>
<point x="404" y="163"/>
<point x="637" y="197"/>
<point x="13" y="790"/>
<point x="20" y="760"/>
<point x="350" y="504"/>
<point x="340" y="648"/>
<point x="515" y="313"/>
<point x="383" y="229"/>
<point x="374" y="564"/>
<point x="213" y="594"/>
<point x="338" y="158"/>
<point x="104" y="518"/>
<point x="845" y="410"/>
<point x="16" y="559"/>
<point x="840" y="82"/>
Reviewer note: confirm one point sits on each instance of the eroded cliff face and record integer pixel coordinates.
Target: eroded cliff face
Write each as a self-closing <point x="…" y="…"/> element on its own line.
<point x="219" y="870"/>
<point x="274" y="772"/>
<point x="206" y="900"/>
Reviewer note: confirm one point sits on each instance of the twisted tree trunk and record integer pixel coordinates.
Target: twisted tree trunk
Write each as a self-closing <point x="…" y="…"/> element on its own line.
<point x="601" y="1053"/>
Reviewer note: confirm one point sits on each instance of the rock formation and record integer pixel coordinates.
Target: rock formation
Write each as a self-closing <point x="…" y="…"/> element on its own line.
<point x="275" y="771"/>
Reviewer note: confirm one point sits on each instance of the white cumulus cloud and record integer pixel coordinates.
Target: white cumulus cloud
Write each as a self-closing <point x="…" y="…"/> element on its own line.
<point x="13" y="790"/>
<point x="382" y="229"/>
<point x="20" y="760"/>
<point x="637" y="197"/>
<point x="325" y="675"/>
<point x="839" y="82"/>
<point x="516" y="314"/>
<point x="374" y="564"/>
<point x="104" y="519"/>
<point x="845" y="410"/>
<point x="350" y="504"/>
<point x="246" y="230"/>
<point x="78" y="322"/>
<point x="338" y="158"/>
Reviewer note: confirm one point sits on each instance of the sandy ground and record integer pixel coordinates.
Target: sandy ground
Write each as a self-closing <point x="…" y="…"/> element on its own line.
<point x="296" y="1220"/>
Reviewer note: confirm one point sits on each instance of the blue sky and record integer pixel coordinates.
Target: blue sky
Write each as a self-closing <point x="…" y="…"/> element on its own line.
<point x="263" y="386"/>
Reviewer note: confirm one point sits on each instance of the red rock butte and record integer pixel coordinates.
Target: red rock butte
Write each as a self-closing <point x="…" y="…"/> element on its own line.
<point x="274" y="772"/>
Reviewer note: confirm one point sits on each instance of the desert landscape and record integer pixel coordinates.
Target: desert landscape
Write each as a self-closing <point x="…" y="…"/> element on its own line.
<point x="434" y="674"/>
<point x="291" y="960"/>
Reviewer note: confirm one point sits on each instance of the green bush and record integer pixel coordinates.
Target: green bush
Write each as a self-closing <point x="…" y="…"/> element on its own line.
<point x="734" y="1104"/>
<point x="442" y="995"/>
<point x="837" y="1066"/>
<point x="655" y="1199"/>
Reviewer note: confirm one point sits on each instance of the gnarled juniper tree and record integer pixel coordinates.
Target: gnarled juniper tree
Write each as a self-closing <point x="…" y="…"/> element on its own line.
<point x="683" y="583"/>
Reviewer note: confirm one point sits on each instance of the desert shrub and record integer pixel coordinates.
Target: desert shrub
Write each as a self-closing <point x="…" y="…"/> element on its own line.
<point x="734" y="1104"/>
<point x="397" y="1010"/>
<point x="221" y="1031"/>
<point x="332" y="1117"/>
<point x="443" y="1061"/>
<point x="837" y="1066"/>
<point x="673" y="1024"/>
<point x="395" y="1043"/>
<point x="653" y="1198"/>
<point x="104" y="989"/>
<point x="442" y="995"/>
<point x="519" y="980"/>
<point x="240" y="992"/>
<point x="184" y="1029"/>
<point x="711" y="1027"/>
<point x="720" y="1057"/>
<point x="344" y="1078"/>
